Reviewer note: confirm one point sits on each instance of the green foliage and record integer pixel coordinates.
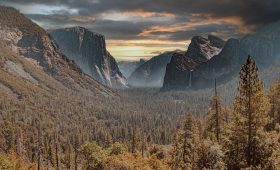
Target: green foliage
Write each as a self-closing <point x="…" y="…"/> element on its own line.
<point x="5" y="164"/>
<point x="117" y="149"/>
<point x="94" y="155"/>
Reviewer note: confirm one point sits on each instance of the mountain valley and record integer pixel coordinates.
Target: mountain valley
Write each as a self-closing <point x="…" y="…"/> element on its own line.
<point x="67" y="103"/>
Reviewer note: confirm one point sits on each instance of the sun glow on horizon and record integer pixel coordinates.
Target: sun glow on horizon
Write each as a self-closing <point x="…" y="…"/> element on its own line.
<point x="129" y="50"/>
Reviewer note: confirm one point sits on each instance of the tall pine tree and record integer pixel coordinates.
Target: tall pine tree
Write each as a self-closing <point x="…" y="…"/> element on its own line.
<point x="215" y="117"/>
<point x="274" y="96"/>
<point x="246" y="147"/>
<point x="186" y="145"/>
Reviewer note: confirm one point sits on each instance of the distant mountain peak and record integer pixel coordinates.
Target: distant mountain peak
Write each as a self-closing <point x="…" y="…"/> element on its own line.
<point x="151" y="73"/>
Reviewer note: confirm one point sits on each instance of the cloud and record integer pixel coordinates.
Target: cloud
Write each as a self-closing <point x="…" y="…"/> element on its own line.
<point x="146" y="14"/>
<point x="250" y="11"/>
<point x="164" y="24"/>
<point x="82" y="19"/>
<point x="112" y="29"/>
<point x="199" y="25"/>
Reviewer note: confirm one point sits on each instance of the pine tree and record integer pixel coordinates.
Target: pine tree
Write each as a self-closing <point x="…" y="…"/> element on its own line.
<point x="76" y="144"/>
<point x="48" y="149"/>
<point x="177" y="152"/>
<point x="245" y="147"/>
<point x="143" y="144"/>
<point x="20" y="146"/>
<point x="57" y="151"/>
<point x="210" y="156"/>
<point x="68" y="155"/>
<point x="39" y="148"/>
<point x="185" y="149"/>
<point x="274" y="97"/>
<point x="134" y="139"/>
<point x="215" y="117"/>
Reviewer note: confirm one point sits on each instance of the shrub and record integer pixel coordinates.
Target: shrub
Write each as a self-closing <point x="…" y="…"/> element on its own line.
<point x="5" y="164"/>
<point x="94" y="155"/>
<point x="117" y="148"/>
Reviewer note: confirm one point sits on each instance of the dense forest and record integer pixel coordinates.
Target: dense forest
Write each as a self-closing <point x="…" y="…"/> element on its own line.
<point x="144" y="129"/>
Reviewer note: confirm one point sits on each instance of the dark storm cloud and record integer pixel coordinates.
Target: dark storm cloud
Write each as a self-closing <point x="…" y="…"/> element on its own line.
<point x="112" y="29"/>
<point x="191" y="17"/>
<point x="251" y="11"/>
<point x="125" y="30"/>
<point x="119" y="29"/>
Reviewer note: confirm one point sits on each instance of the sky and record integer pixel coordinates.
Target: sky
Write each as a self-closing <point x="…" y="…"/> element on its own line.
<point x="137" y="29"/>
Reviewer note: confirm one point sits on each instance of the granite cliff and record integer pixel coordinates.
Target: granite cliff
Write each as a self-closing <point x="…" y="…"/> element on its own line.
<point x="88" y="50"/>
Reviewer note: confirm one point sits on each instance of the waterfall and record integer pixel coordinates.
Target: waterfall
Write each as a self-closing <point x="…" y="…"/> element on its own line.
<point x="190" y="78"/>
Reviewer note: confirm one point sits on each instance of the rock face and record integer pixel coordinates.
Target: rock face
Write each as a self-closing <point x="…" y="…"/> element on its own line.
<point x="263" y="46"/>
<point x="202" y="49"/>
<point x="88" y="50"/>
<point x="31" y="42"/>
<point x="221" y="67"/>
<point x="151" y="73"/>
<point x="128" y="67"/>
<point x="180" y="71"/>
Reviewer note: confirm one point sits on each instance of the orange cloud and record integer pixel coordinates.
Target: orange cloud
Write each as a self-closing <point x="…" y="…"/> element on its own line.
<point x="147" y="14"/>
<point x="82" y="19"/>
<point x="131" y="15"/>
<point x="197" y="20"/>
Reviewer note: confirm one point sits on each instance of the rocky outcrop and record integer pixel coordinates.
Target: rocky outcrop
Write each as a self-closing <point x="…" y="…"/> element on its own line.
<point x="181" y="71"/>
<point x="33" y="43"/>
<point x="151" y="73"/>
<point x="88" y="50"/>
<point x="221" y="67"/>
<point x="202" y="49"/>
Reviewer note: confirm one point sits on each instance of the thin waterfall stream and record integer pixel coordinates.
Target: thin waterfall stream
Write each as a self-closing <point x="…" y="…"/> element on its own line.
<point x="190" y="78"/>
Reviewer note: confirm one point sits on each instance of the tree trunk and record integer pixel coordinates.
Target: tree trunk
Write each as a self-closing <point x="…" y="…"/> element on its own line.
<point x="217" y="114"/>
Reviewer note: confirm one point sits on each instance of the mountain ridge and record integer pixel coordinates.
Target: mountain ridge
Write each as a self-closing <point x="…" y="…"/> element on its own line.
<point x="31" y="42"/>
<point x="263" y="46"/>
